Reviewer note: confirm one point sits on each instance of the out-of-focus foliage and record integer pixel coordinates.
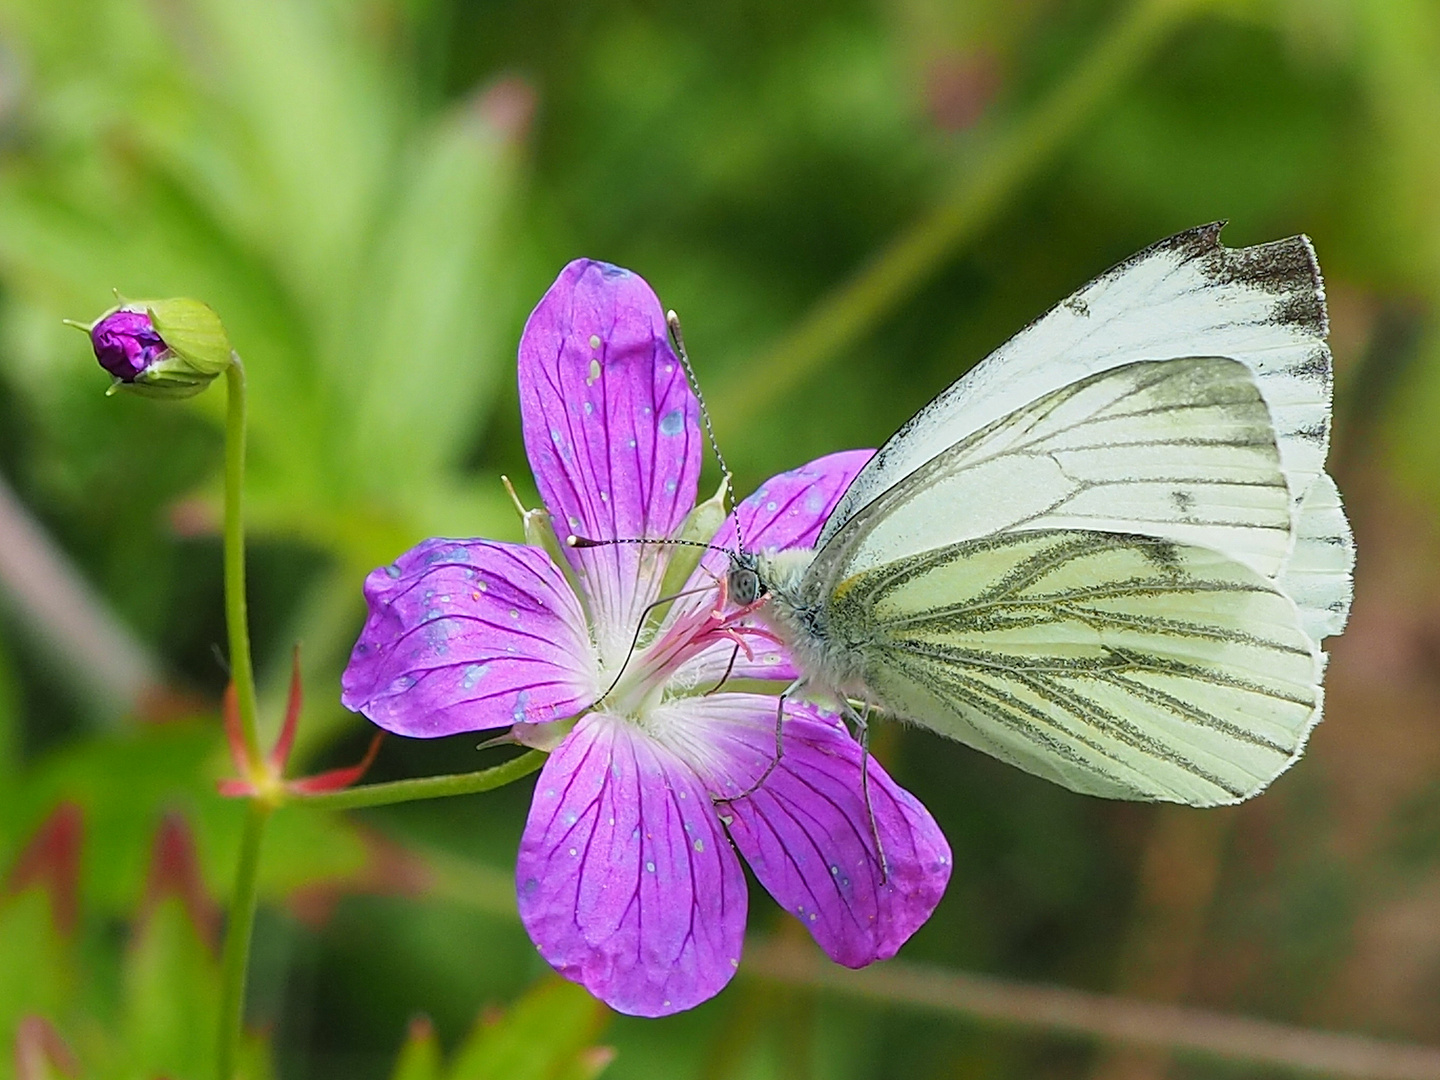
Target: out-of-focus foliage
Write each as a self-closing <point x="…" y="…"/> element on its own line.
<point x="150" y="1009"/>
<point x="145" y="1009"/>
<point x="260" y="155"/>
<point x="547" y="1035"/>
<point x="372" y="193"/>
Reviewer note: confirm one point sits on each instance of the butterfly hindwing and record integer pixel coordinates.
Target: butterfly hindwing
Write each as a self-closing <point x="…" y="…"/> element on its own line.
<point x="1317" y="573"/>
<point x="1115" y="665"/>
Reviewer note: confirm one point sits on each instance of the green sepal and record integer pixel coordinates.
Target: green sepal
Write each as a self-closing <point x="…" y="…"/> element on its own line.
<point x="170" y="378"/>
<point x="193" y="332"/>
<point x="544" y="736"/>
<point x="700" y="527"/>
<point x="540" y="533"/>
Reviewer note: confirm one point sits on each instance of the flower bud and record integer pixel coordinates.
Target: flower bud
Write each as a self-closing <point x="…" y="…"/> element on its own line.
<point x="126" y="344"/>
<point x="160" y="348"/>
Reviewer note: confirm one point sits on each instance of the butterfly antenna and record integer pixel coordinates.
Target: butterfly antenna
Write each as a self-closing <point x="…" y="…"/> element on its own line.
<point x="672" y="320"/>
<point x="583" y="542"/>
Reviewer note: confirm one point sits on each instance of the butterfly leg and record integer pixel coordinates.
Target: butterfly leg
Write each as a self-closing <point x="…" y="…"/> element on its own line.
<point x="862" y="730"/>
<point x="735" y="655"/>
<point x="793" y="688"/>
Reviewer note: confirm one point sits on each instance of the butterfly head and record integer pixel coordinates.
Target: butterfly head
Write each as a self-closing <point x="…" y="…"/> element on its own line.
<point x="744" y="583"/>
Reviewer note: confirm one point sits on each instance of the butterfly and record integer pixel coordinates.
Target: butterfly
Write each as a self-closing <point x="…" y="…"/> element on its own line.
<point x="1110" y="552"/>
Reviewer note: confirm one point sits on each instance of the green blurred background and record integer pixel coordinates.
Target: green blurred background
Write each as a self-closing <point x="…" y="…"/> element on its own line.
<point x="849" y="203"/>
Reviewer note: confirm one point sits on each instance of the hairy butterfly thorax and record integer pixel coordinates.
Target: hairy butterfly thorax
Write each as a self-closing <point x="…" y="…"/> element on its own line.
<point x="790" y="606"/>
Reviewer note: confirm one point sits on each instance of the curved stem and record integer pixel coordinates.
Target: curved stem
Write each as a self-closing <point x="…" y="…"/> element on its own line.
<point x="236" y="623"/>
<point x="426" y="787"/>
<point x="856" y="306"/>
<point x="240" y="925"/>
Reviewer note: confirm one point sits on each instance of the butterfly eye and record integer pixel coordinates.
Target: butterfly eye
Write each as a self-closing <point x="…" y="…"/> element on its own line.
<point x="744" y="585"/>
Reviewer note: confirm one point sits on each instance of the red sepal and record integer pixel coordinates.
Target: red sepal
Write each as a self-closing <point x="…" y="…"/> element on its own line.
<point x="280" y="755"/>
<point x="335" y="779"/>
<point x="234" y="735"/>
<point x="266" y="777"/>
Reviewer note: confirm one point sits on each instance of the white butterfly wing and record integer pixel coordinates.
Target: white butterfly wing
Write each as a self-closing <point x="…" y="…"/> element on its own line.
<point x="1186" y="296"/>
<point x="1317" y="573"/>
<point x="1178" y="449"/>
<point x="1115" y="665"/>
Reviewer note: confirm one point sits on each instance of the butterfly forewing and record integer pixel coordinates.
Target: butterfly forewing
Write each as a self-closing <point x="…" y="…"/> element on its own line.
<point x="1187" y="295"/>
<point x="1116" y="665"/>
<point x="1180" y="449"/>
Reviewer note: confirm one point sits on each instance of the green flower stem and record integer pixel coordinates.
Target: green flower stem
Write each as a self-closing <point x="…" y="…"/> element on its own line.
<point x="426" y="787"/>
<point x="857" y="306"/>
<point x="242" y="671"/>
<point x="239" y="927"/>
<point x="241" y="921"/>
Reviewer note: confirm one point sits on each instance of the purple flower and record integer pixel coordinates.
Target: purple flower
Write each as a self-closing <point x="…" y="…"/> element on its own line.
<point x="628" y="880"/>
<point x="126" y="343"/>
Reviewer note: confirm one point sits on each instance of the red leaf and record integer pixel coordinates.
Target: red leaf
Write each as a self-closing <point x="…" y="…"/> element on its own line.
<point x="52" y="859"/>
<point x="40" y="1052"/>
<point x="175" y="871"/>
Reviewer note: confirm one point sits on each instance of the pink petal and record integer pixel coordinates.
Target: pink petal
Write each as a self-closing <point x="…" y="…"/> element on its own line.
<point x="625" y="880"/>
<point x="612" y="431"/>
<point x="806" y="832"/>
<point x="787" y="511"/>
<point x="465" y="635"/>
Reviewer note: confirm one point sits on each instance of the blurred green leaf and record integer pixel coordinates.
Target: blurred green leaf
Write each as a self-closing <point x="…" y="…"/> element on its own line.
<point x="37" y="966"/>
<point x="426" y="352"/>
<point x="171" y="995"/>
<point x="546" y="1035"/>
<point x="309" y="123"/>
<point x="420" y="1056"/>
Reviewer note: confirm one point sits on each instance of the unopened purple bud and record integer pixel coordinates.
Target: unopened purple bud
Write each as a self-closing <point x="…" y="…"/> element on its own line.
<point x="126" y="344"/>
<point x="170" y="348"/>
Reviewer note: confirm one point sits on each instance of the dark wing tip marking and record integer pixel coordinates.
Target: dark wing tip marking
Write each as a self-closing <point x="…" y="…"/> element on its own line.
<point x="1286" y="268"/>
<point x="1305" y="310"/>
<point x="1187" y="245"/>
